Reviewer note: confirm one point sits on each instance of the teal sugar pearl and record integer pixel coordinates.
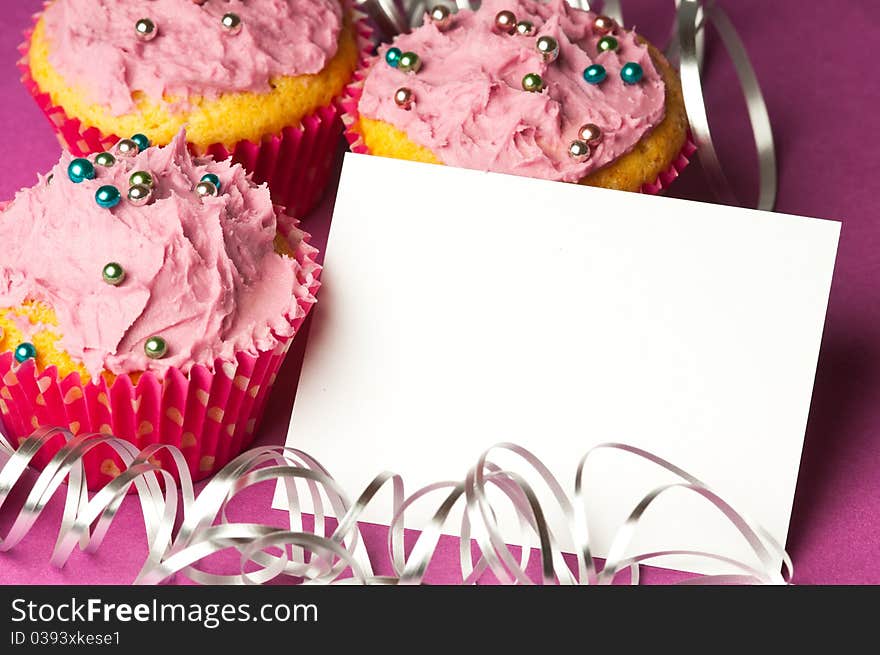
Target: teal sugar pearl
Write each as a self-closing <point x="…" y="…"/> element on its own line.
<point x="80" y="169"/>
<point x="142" y="141"/>
<point x="213" y="179"/>
<point x="108" y="196"/>
<point x="631" y="73"/>
<point x="25" y="351"/>
<point x="595" y="74"/>
<point x="392" y="57"/>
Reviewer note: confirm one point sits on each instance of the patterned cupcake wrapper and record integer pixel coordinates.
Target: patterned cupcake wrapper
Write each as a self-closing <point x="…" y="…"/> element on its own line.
<point x="351" y="116"/>
<point x="297" y="164"/>
<point x="210" y="414"/>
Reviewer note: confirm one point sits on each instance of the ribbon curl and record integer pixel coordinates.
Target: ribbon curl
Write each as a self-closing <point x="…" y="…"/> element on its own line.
<point x="686" y="47"/>
<point x="338" y="556"/>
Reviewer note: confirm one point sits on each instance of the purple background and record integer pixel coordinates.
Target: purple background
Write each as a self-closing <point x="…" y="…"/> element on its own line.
<point x="822" y="93"/>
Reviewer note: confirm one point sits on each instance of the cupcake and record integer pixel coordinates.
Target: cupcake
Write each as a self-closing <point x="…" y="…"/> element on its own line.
<point x="257" y="80"/>
<point x="525" y="88"/>
<point x="153" y="297"/>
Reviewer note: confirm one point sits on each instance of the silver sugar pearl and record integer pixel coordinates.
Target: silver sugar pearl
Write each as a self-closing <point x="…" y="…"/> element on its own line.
<point x="505" y="21"/>
<point x="205" y="189"/>
<point x="590" y="134"/>
<point x="548" y="47"/>
<point x="403" y="97"/>
<point x="525" y="28"/>
<point x="232" y="23"/>
<point x="441" y="17"/>
<point x="579" y="151"/>
<point x="127" y="148"/>
<point x="604" y="24"/>
<point x="145" y="29"/>
<point x="139" y="195"/>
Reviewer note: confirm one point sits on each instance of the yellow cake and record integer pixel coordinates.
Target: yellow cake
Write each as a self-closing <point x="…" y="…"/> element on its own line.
<point x="227" y="119"/>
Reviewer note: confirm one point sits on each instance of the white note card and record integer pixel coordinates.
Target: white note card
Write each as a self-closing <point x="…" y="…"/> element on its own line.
<point x="460" y="309"/>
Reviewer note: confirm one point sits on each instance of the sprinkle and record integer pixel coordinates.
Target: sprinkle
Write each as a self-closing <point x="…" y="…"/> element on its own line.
<point x="80" y="169"/>
<point x="141" y="178"/>
<point x="441" y="17"/>
<point x="145" y="29"/>
<point x="505" y="21"/>
<point x="205" y="189"/>
<point x="525" y="28"/>
<point x="590" y="133"/>
<point x="392" y="57"/>
<point x="127" y="148"/>
<point x="142" y="141"/>
<point x="213" y="179"/>
<point x="155" y="347"/>
<point x="603" y="24"/>
<point x="113" y="274"/>
<point x="140" y="195"/>
<point x="108" y="196"/>
<point x="25" y="351"/>
<point x="105" y="159"/>
<point x="232" y="23"/>
<point x="533" y="83"/>
<point x="579" y="151"/>
<point x="403" y="97"/>
<point x="595" y="74"/>
<point x="548" y="47"/>
<point x="631" y="73"/>
<point x="607" y="44"/>
<point x="409" y="62"/>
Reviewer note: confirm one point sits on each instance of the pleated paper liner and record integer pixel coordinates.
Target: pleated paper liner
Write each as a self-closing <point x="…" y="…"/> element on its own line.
<point x="211" y="414"/>
<point x="351" y="116"/>
<point x="297" y="164"/>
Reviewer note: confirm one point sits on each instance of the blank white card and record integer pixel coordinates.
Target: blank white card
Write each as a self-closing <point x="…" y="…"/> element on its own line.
<point x="460" y="309"/>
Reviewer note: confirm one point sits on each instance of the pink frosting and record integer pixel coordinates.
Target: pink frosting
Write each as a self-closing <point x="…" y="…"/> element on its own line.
<point x="94" y="45"/>
<point x="470" y="109"/>
<point x="200" y="273"/>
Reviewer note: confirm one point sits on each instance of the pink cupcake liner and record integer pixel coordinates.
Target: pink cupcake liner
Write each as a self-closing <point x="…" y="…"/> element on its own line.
<point x="297" y="164"/>
<point x="679" y="163"/>
<point x="350" y="117"/>
<point x="211" y="414"/>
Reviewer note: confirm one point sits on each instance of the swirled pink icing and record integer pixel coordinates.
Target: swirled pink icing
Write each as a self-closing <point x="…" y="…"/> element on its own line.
<point x="94" y="45"/>
<point x="471" y="111"/>
<point x="201" y="273"/>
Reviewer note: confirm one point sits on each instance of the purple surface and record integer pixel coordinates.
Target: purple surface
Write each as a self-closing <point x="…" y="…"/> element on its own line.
<point x="822" y="95"/>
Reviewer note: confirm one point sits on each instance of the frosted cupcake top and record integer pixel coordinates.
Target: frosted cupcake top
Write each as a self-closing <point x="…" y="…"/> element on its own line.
<point x="185" y="260"/>
<point x="107" y="49"/>
<point x="485" y="95"/>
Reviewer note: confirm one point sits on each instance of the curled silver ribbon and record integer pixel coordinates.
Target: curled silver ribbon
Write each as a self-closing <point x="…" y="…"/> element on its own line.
<point x="686" y="45"/>
<point x="689" y="24"/>
<point x="324" y="555"/>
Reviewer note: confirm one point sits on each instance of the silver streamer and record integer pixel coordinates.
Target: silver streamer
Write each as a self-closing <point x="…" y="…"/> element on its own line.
<point x="686" y="47"/>
<point x="322" y="555"/>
